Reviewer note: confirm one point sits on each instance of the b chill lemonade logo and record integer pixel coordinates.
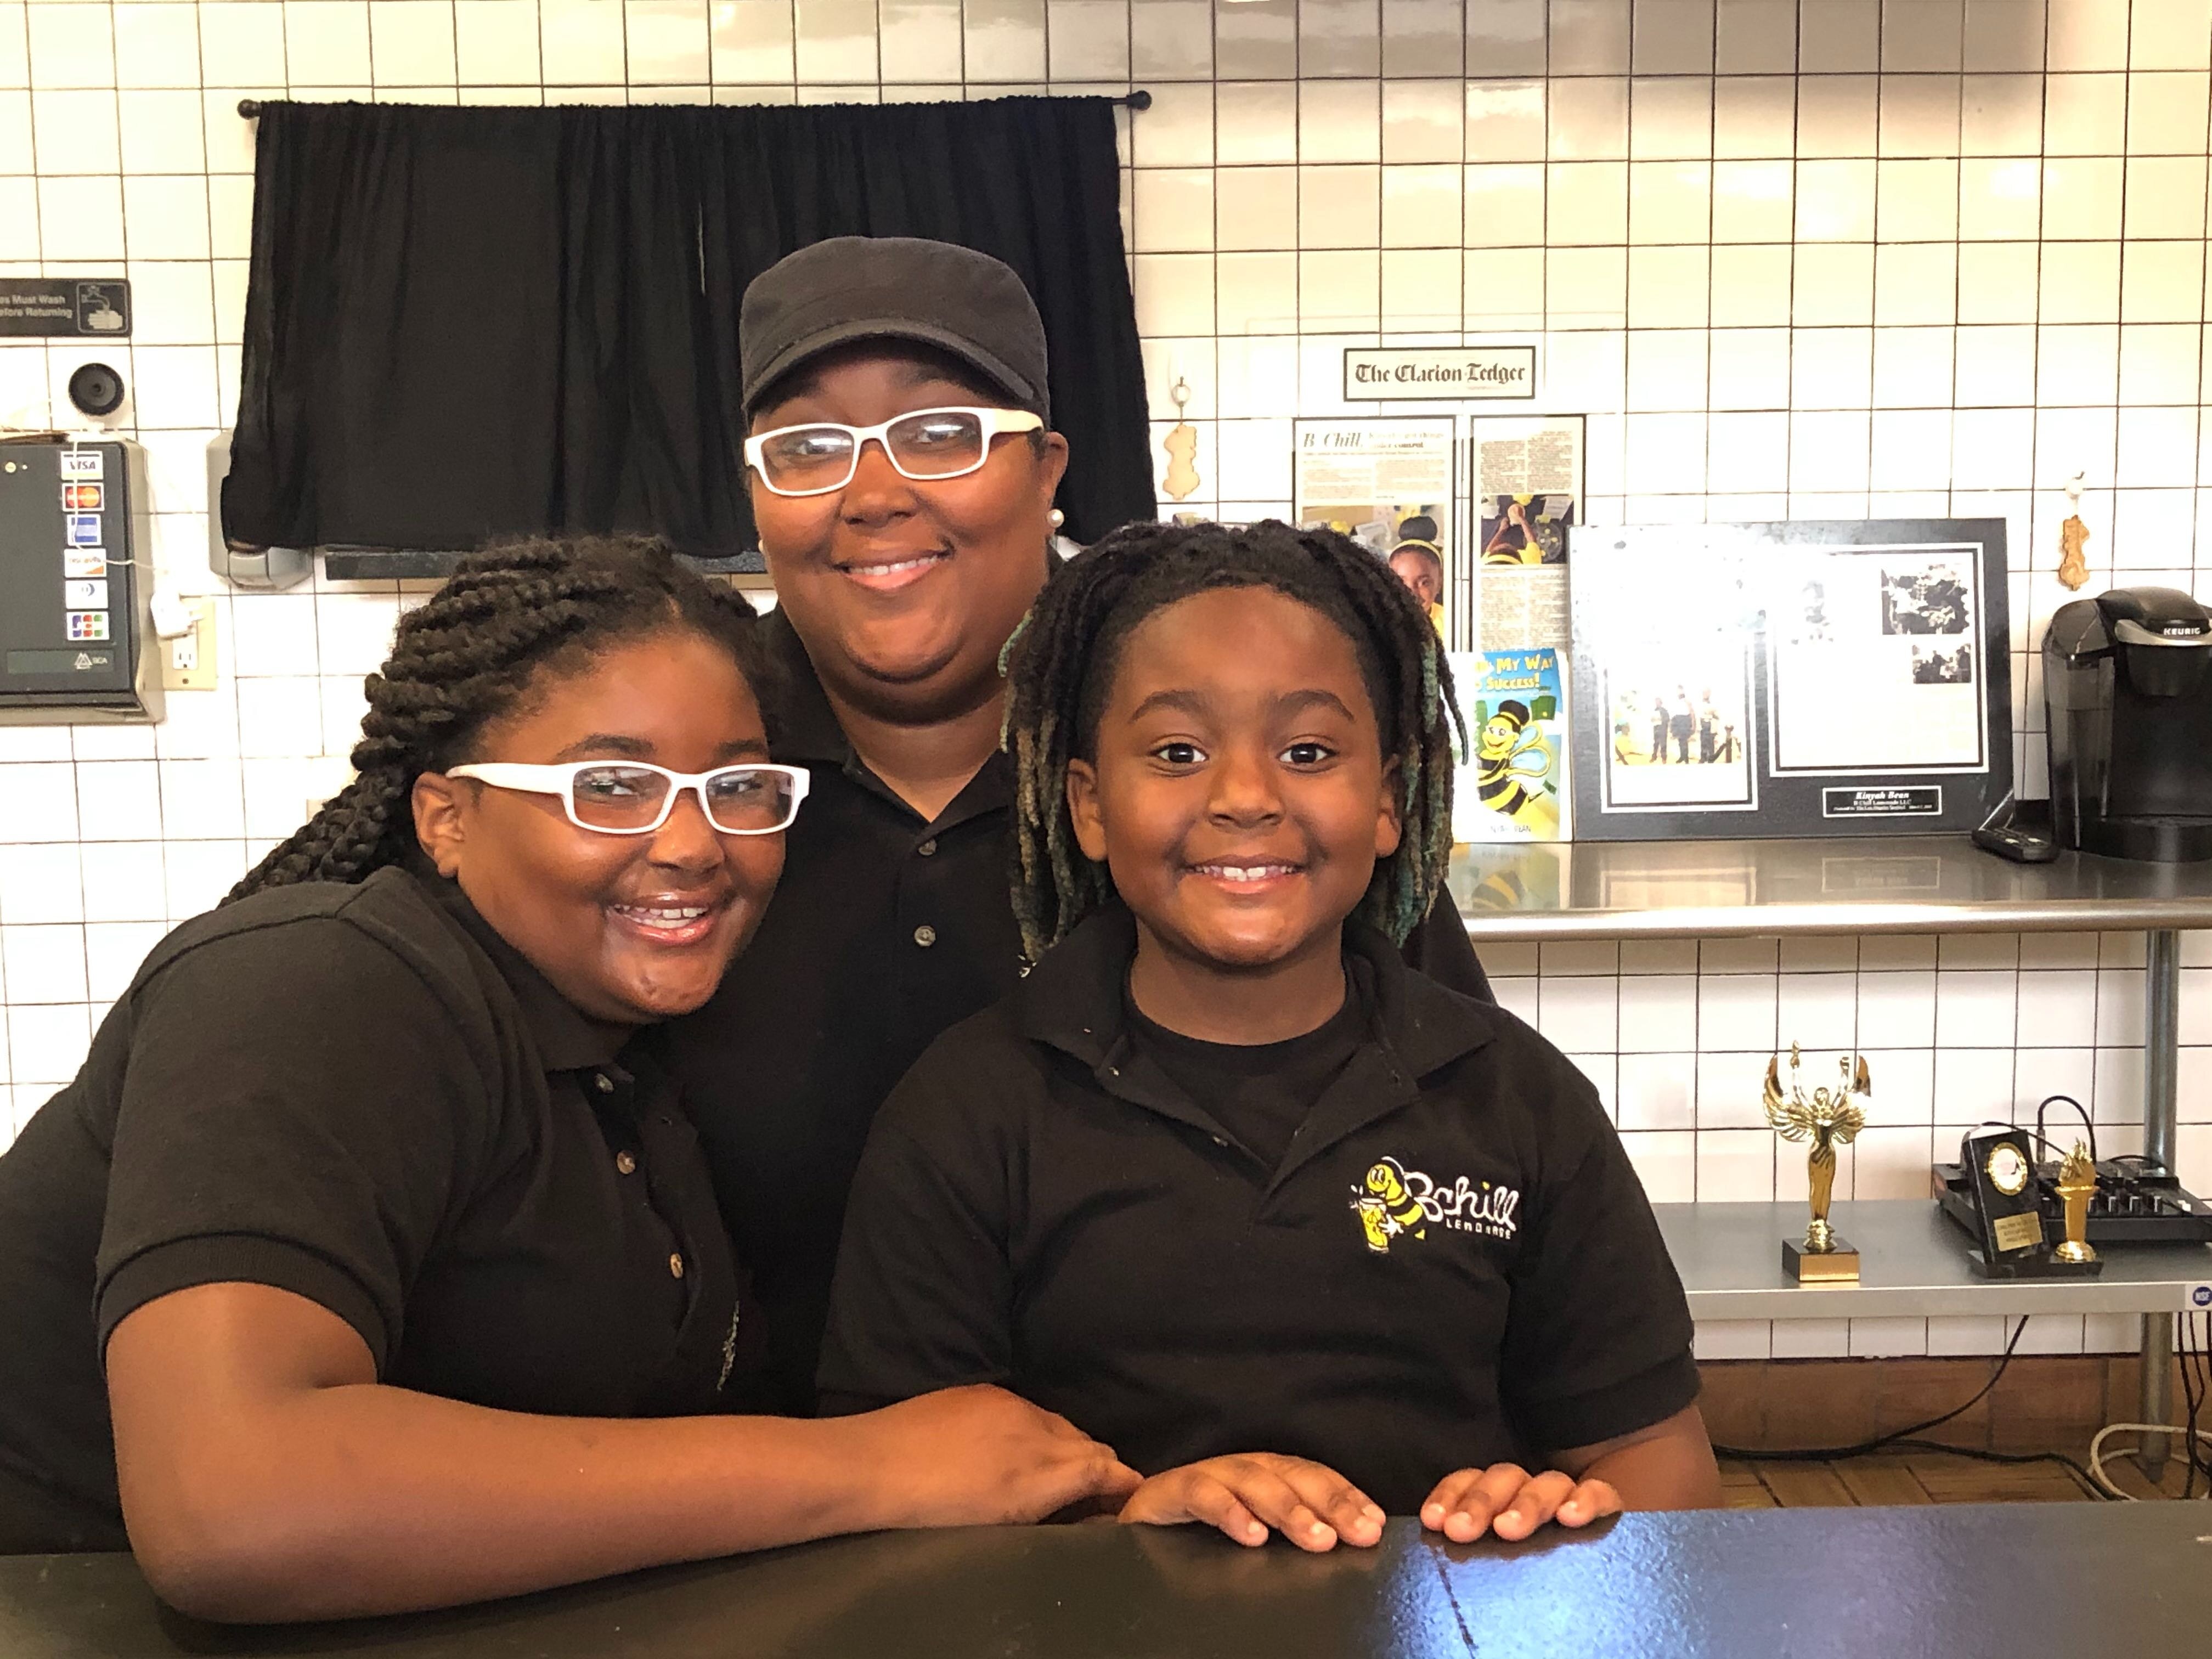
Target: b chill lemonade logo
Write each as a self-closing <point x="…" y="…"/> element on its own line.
<point x="1394" y="1202"/>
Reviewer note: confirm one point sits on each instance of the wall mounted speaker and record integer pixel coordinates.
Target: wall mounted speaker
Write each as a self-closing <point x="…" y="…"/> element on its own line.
<point x="96" y="390"/>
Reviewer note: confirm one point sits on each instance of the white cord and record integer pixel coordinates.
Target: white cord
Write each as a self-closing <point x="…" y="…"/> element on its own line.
<point x="2097" y="1445"/>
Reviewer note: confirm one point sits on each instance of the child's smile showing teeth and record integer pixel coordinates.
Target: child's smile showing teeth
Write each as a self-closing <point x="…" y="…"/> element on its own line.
<point x="668" y="922"/>
<point x="1245" y="873"/>
<point x="1237" y="795"/>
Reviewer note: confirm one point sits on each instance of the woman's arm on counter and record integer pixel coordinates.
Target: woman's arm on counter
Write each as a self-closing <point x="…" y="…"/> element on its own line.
<point x="267" y="1474"/>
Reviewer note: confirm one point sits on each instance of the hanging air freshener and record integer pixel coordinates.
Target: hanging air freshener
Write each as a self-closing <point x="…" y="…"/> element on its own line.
<point x="2073" y="565"/>
<point x="1182" y="446"/>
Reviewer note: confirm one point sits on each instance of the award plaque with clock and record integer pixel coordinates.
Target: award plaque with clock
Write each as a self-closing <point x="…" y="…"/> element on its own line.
<point x="1999" y="1161"/>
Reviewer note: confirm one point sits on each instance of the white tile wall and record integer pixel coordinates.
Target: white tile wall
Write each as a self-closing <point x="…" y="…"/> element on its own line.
<point x="1806" y="257"/>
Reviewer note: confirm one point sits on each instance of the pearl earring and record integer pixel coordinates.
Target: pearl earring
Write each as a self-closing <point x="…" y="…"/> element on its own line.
<point x="1055" y="518"/>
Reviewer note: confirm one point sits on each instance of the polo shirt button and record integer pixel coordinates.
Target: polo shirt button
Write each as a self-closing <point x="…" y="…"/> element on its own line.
<point x="925" y="936"/>
<point x="625" y="1163"/>
<point x="603" y="1083"/>
<point x="675" y="1265"/>
<point x="928" y="849"/>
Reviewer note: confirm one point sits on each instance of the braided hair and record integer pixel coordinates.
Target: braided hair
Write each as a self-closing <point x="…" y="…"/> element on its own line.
<point x="477" y="650"/>
<point x="1061" y="662"/>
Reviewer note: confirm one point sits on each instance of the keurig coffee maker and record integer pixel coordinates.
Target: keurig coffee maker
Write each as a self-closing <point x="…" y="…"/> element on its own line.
<point x="2129" y="706"/>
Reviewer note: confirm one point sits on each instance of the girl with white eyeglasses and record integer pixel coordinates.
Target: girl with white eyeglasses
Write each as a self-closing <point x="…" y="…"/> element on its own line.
<point x="370" y="1264"/>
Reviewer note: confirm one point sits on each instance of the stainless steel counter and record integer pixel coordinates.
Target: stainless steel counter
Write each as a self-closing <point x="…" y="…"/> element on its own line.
<point x="1913" y="1265"/>
<point x="1736" y="888"/>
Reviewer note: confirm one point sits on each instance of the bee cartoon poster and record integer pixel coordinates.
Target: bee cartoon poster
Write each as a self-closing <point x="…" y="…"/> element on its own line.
<point x="1511" y="781"/>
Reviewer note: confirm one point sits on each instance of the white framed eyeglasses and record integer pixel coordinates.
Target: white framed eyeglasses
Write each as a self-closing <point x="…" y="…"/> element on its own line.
<point x="928" y="445"/>
<point x="635" y="797"/>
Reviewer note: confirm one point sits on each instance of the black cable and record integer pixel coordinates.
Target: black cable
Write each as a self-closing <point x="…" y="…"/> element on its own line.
<point x="2049" y="1101"/>
<point x="2203" y="1393"/>
<point x="2184" y="1329"/>
<point x="2195" y="1383"/>
<point x="2185" y="1335"/>
<point x="2060" y="1458"/>
<point x="1826" y="1454"/>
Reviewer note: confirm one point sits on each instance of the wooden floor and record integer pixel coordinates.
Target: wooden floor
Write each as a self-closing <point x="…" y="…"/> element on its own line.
<point x="1920" y="1477"/>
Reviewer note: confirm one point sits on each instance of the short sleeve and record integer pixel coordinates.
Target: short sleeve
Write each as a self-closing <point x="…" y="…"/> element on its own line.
<point x="299" y="1109"/>
<point x="1440" y="948"/>
<point x="923" y="1297"/>
<point x="1598" y="1338"/>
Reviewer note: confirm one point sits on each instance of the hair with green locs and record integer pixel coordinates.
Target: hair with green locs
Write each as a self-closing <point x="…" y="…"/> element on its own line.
<point x="1060" y="664"/>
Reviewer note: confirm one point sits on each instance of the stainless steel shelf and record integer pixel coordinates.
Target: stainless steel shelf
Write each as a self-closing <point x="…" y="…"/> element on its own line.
<point x="1914" y="1261"/>
<point x="1738" y="889"/>
<point x="1913" y="1265"/>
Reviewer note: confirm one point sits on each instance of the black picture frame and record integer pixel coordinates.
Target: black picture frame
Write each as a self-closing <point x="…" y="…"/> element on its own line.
<point x="1693" y="599"/>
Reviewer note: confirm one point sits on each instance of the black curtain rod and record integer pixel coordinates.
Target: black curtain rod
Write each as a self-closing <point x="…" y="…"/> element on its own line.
<point x="1140" y="99"/>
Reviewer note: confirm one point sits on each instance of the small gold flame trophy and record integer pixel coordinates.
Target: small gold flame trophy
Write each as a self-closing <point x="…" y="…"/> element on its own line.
<point x="1828" y="1120"/>
<point x="2077" y="1184"/>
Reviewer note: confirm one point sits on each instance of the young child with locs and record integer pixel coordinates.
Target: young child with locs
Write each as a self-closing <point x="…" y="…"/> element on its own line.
<point x="1305" y="1236"/>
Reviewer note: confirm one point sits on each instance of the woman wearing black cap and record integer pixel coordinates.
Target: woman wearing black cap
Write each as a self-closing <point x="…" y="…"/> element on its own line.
<point x="902" y="469"/>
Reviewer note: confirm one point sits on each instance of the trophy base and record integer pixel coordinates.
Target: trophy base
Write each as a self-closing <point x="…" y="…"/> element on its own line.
<point x="2036" y="1264"/>
<point x="1838" y="1266"/>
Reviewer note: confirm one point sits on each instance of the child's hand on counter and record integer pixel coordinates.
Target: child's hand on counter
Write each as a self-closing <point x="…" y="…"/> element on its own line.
<point x="1507" y="1500"/>
<point x="1246" y="1494"/>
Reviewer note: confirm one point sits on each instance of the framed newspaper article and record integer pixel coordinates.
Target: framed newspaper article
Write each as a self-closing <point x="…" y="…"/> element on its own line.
<point x="1806" y="679"/>
<point x="1525" y="478"/>
<point x="1386" y="482"/>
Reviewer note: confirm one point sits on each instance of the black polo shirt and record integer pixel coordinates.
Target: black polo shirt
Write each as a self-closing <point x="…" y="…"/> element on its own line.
<point x="364" y="1096"/>
<point x="1454" y="1264"/>
<point x="885" y="930"/>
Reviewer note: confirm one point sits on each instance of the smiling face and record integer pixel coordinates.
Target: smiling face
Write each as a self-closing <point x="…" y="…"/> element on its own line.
<point x="1237" y="790"/>
<point x="1420" y="573"/>
<point x="629" y="928"/>
<point x="904" y="592"/>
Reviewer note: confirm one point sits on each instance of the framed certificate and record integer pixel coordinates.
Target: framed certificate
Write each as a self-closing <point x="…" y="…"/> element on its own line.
<point x="1803" y="679"/>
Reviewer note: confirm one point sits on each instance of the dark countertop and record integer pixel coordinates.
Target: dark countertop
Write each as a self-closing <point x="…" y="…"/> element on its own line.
<point x="1963" y="1581"/>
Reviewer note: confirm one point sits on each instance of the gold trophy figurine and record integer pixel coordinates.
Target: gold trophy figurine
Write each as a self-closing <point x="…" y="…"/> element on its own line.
<point x="1828" y="1120"/>
<point x="2077" y="1183"/>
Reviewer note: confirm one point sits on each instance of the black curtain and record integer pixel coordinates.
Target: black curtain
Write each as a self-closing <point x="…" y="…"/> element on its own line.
<point x="466" y="323"/>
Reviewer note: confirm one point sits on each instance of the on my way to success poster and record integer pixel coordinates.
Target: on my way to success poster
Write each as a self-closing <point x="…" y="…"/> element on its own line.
<point x="1511" y="781"/>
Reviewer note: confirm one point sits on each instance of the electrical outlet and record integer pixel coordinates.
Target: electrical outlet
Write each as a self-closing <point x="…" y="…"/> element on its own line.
<point x="188" y="661"/>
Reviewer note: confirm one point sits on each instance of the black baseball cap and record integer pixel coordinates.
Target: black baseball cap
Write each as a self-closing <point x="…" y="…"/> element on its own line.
<point x="894" y="288"/>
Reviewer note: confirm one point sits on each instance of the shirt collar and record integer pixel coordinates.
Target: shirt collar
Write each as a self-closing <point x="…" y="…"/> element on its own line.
<point x="567" y="1040"/>
<point x="1072" y="1000"/>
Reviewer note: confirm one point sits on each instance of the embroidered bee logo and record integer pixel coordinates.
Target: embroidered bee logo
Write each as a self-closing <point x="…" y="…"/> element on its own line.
<point x="1393" y="1201"/>
<point x="1387" y="1207"/>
